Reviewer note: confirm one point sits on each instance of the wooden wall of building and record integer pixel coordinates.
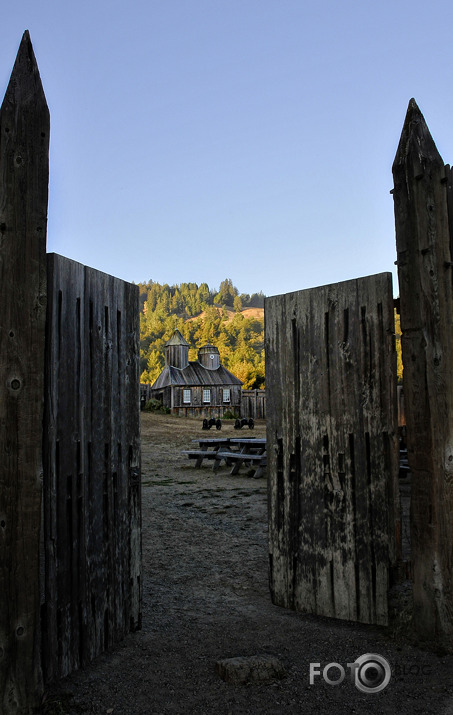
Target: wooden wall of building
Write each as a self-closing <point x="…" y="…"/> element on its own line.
<point x="197" y="408"/>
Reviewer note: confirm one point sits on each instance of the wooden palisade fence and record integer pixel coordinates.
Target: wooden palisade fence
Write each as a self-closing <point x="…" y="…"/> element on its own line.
<point x="423" y="199"/>
<point x="253" y="404"/>
<point x="70" y="544"/>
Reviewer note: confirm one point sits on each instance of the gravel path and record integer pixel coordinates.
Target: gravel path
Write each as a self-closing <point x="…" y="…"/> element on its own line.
<point x="205" y="598"/>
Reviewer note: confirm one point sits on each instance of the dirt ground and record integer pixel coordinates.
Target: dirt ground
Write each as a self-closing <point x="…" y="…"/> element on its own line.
<point x="206" y="598"/>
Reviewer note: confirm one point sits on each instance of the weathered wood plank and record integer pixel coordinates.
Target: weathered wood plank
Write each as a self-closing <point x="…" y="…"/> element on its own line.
<point x="92" y="412"/>
<point x="331" y="417"/>
<point x="24" y="142"/>
<point x="132" y="436"/>
<point x="421" y="196"/>
<point x="64" y="487"/>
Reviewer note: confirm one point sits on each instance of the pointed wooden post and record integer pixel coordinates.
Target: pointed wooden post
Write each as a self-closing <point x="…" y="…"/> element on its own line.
<point x="425" y="281"/>
<point x="24" y="146"/>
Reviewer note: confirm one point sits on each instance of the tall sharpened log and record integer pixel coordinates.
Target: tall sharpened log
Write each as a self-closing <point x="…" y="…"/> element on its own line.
<point x="24" y="143"/>
<point x="425" y="280"/>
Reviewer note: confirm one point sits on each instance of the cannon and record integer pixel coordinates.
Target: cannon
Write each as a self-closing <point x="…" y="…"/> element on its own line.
<point x="207" y="424"/>
<point x="239" y="424"/>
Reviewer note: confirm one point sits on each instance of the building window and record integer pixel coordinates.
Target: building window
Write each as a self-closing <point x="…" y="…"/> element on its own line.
<point x="186" y="397"/>
<point x="226" y="394"/>
<point x="207" y="395"/>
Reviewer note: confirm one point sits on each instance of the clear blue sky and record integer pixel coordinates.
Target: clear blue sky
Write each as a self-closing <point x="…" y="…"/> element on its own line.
<point x="194" y="140"/>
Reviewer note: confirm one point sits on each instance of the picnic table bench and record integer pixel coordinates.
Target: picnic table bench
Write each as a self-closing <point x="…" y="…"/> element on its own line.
<point x="201" y="454"/>
<point x="208" y="449"/>
<point x="250" y="451"/>
<point x="237" y="459"/>
<point x="234" y="452"/>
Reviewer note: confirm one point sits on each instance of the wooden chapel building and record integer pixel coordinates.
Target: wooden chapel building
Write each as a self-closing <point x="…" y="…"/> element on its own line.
<point x="202" y="387"/>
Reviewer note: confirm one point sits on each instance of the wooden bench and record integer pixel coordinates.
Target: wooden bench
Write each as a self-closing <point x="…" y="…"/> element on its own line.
<point x="238" y="459"/>
<point x="201" y="454"/>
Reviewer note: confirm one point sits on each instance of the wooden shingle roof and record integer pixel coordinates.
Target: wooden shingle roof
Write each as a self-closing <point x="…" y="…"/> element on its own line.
<point x="177" y="339"/>
<point x="193" y="375"/>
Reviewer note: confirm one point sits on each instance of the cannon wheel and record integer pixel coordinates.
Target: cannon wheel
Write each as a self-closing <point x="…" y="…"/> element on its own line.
<point x="205" y="424"/>
<point x="237" y="424"/>
<point x="251" y="423"/>
<point x="218" y="424"/>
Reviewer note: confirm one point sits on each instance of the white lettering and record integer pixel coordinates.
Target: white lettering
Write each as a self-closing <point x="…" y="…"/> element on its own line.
<point x="314" y="670"/>
<point x="329" y="680"/>
<point x="353" y="669"/>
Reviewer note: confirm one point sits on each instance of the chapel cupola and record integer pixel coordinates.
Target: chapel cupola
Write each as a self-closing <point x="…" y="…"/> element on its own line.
<point x="209" y="357"/>
<point x="177" y="351"/>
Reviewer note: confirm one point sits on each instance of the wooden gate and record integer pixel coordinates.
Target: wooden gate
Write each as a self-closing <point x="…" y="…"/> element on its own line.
<point x="332" y="448"/>
<point x="92" y="512"/>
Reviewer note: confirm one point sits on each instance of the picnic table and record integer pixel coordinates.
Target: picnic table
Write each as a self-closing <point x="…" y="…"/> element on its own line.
<point x="234" y="451"/>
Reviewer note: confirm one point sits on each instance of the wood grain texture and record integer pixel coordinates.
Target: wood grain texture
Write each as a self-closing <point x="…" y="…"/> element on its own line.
<point x="92" y="466"/>
<point x="253" y="404"/>
<point x="332" y="448"/>
<point x="24" y="172"/>
<point x="422" y="196"/>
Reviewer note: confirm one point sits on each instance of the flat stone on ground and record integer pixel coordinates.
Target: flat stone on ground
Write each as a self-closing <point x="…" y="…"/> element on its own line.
<point x="252" y="669"/>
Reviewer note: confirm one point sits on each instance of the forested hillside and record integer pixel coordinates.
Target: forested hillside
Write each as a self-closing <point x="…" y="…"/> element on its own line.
<point x="233" y="323"/>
